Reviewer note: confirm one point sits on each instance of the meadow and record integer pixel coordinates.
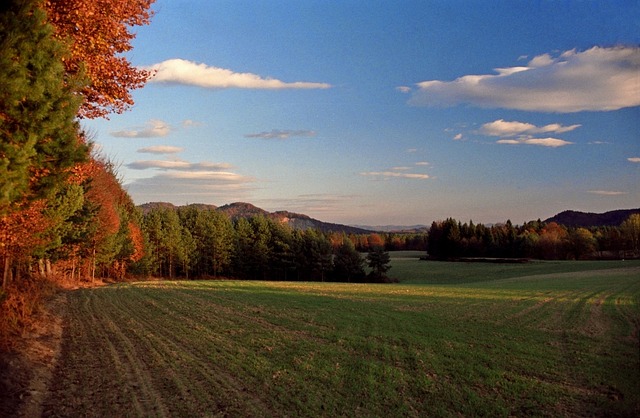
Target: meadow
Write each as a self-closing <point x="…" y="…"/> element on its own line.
<point x="470" y="339"/>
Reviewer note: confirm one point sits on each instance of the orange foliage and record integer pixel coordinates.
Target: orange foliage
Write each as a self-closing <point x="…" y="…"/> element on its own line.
<point x="138" y="242"/>
<point x="106" y="193"/>
<point x="98" y="32"/>
<point x="18" y="232"/>
<point x="375" y="240"/>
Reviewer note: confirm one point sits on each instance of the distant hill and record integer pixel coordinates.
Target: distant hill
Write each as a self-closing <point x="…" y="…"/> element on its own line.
<point x="246" y="210"/>
<point x="586" y="219"/>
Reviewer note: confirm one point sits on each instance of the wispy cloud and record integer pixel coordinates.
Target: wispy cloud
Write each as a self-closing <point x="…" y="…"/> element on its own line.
<point x="161" y="149"/>
<point x="634" y="159"/>
<point x="177" y="165"/>
<point x="607" y="192"/>
<point x="385" y="175"/>
<point x="281" y="134"/>
<point x="543" y="142"/>
<point x="598" y="79"/>
<point x="189" y="123"/>
<point x="189" y="181"/>
<point x="422" y="163"/>
<point x="311" y="203"/>
<point x="458" y="137"/>
<point x="505" y="128"/>
<point x="179" y="71"/>
<point x="403" y="89"/>
<point x="154" y="128"/>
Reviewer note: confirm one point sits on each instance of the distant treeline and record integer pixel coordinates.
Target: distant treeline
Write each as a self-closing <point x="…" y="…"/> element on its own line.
<point x="451" y="239"/>
<point x="191" y="242"/>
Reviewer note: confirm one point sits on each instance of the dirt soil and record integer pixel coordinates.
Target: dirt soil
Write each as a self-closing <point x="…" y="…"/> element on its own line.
<point x="26" y="372"/>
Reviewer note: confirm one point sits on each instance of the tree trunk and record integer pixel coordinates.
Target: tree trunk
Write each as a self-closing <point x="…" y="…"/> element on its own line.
<point x="7" y="271"/>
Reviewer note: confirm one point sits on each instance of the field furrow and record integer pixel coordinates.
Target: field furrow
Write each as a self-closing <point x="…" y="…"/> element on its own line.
<point x="562" y="344"/>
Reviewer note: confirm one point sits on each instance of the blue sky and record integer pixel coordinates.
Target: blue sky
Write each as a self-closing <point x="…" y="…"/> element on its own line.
<point x="386" y="112"/>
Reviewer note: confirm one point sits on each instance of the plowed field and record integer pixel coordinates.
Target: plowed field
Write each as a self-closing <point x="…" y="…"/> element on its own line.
<point x="563" y="344"/>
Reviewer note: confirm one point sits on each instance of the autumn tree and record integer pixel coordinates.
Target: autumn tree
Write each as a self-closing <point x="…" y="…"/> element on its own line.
<point x="98" y="32"/>
<point x="581" y="243"/>
<point x="631" y="230"/>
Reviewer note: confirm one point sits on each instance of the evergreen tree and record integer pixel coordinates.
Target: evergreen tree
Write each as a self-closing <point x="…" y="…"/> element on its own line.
<point x="347" y="263"/>
<point x="38" y="106"/>
<point x="378" y="260"/>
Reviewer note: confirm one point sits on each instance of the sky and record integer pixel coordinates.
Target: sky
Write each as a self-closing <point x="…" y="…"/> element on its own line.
<point x="385" y="112"/>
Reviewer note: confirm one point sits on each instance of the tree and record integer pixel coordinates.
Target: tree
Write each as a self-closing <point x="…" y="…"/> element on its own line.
<point x="581" y="243"/>
<point x="552" y="242"/>
<point x="98" y="31"/>
<point x="212" y="234"/>
<point x="378" y="260"/>
<point x="347" y="263"/>
<point x="631" y="230"/>
<point x="39" y="139"/>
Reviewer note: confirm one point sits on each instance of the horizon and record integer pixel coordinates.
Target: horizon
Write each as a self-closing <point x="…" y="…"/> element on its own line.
<point x="393" y="113"/>
<point x="389" y="225"/>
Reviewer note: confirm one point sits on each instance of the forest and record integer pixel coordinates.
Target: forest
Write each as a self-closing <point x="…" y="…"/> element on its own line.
<point x="62" y="207"/>
<point x="194" y="242"/>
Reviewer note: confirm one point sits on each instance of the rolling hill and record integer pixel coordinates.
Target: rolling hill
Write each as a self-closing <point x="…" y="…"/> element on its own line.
<point x="246" y="210"/>
<point x="587" y="219"/>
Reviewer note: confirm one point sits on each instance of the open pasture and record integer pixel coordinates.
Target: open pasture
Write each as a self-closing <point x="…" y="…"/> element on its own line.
<point x="528" y="342"/>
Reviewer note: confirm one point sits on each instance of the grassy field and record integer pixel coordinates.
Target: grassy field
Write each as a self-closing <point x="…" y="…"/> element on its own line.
<point x="537" y="339"/>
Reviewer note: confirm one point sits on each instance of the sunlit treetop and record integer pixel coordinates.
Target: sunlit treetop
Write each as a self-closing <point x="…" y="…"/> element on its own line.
<point x="98" y="33"/>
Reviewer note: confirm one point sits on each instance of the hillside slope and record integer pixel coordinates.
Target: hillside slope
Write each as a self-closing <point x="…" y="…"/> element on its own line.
<point x="587" y="219"/>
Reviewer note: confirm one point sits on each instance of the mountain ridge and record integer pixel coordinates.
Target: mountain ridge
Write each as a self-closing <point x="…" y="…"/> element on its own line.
<point x="238" y="210"/>
<point x="575" y="218"/>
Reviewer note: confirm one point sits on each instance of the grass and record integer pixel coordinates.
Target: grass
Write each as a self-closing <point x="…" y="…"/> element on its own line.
<point x="453" y="339"/>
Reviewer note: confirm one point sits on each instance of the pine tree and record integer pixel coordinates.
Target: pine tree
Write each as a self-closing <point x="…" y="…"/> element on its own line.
<point x="38" y="106"/>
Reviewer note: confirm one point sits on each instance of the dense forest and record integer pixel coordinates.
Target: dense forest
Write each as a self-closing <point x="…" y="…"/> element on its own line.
<point x="64" y="215"/>
<point x="196" y="242"/>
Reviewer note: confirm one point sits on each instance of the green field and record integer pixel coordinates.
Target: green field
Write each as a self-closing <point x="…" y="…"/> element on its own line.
<point x="536" y="339"/>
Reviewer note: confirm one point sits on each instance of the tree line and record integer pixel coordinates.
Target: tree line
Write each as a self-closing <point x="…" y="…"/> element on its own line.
<point x="63" y="213"/>
<point x="451" y="239"/>
<point x="190" y="242"/>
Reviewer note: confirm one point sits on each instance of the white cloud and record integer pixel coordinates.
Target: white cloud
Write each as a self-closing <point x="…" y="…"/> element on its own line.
<point x="543" y="142"/>
<point x="154" y="128"/>
<point x="177" y="165"/>
<point x="402" y="168"/>
<point x="394" y="174"/>
<point x="458" y="137"/>
<point x="179" y="71"/>
<point x="403" y="89"/>
<point x="607" y="192"/>
<point x="598" y="79"/>
<point x="422" y="163"/>
<point x="161" y="149"/>
<point x="504" y="128"/>
<point x="281" y="134"/>
<point x="634" y="159"/>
